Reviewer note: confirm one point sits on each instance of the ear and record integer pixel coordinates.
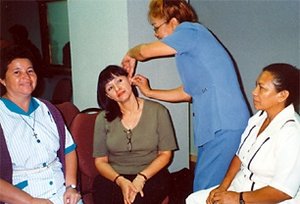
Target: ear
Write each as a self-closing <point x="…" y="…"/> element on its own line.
<point x="2" y="82"/>
<point x="130" y="79"/>
<point x="174" y="22"/>
<point x="283" y="95"/>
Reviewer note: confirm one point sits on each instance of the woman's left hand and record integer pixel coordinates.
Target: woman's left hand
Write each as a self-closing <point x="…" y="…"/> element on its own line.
<point x="225" y="197"/>
<point x="142" y="82"/>
<point x="71" y="196"/>
<point x="139" y="183"/>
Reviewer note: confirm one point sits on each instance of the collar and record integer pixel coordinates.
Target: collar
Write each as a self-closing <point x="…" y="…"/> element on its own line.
<point x="16" y="109"/>
<point x="288" y="114"/>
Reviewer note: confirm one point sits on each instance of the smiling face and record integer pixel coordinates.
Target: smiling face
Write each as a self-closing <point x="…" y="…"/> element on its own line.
<point x="118" y="89"/>
<point x="20" y="78"/>
<point x="265" y="95"/>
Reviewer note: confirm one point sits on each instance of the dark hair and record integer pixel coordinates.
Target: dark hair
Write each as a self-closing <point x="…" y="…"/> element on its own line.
<point x="168" y="9"/>
<point x="286" y="77"/>
<point x="110" y="106"/>
<point x="8" y="54"/>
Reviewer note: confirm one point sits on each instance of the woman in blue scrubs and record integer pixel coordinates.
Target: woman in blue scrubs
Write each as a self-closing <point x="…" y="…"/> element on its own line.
<point x="209" y="81"/>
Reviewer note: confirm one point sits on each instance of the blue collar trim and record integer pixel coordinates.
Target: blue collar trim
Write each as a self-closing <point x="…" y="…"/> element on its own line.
<point x="16" y="109"/>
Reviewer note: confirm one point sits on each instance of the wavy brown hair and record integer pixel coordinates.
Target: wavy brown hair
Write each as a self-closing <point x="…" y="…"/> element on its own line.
<point x="168" y="9"/>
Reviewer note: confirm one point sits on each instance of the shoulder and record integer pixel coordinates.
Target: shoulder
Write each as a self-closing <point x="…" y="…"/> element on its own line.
<point x="44" y="102"/>
<point x="101" y="119"/>
<point x="153" y="104"/>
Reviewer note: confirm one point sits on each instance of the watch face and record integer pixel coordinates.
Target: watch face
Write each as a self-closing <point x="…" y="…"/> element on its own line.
<point x="71" y="186"/>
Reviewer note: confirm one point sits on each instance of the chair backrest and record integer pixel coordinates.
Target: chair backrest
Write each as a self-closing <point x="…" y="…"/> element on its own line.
<point x="82" y="130"/>
<point x="69" y="110"/>
<point x="62" y="91"/>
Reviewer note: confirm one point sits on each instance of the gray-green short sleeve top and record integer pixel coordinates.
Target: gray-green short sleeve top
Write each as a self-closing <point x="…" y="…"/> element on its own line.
<point x="154" y="132"/>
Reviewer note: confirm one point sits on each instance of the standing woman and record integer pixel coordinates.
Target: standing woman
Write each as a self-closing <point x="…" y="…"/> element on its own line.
<point x="209" y="80"/>
<point x="133" y="144"/>
<point x="38" y="162"/>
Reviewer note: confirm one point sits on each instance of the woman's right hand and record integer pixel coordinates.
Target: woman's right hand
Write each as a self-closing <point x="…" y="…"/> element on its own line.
<point x="129" y="64"/>
<point x="129" y="191"/>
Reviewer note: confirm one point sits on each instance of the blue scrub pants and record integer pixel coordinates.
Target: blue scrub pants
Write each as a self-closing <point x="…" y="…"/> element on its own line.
<point x="214" y="158"/>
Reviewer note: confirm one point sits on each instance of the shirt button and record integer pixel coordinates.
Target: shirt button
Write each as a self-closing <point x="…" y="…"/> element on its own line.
<point x="44" y="164"/>
<point x="51" y="183"/>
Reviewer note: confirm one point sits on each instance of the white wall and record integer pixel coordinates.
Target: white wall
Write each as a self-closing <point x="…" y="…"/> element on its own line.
<point x="101" y="31"/>
<point x="98" y="36"/>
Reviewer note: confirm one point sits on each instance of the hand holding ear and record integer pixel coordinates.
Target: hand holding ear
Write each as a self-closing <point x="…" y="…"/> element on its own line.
<point x="142" y="83"/>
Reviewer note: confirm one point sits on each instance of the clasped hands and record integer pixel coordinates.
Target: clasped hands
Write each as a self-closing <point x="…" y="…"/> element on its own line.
<point x="220" y="195"/>
<point x="131" y="189"/>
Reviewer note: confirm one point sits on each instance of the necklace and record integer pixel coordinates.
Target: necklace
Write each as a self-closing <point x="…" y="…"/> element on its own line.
<point x="32" y="127"/>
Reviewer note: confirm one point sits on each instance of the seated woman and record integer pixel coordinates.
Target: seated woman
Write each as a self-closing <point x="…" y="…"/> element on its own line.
<point x="133" y="143"/>
<point x="38" y="163"/>
<point x="267" y="164"/>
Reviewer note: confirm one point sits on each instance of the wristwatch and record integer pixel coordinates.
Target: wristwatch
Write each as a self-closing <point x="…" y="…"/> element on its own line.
<point x="73" y="186"/>
<point x="241" y="198"/>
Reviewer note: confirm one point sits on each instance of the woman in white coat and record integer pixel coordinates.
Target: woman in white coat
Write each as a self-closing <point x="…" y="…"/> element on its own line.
<point x="266" y="166"/>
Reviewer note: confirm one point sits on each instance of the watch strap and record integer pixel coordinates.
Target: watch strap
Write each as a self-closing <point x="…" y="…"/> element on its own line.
<point x="241" y="198"/>
<point x="73" y="186"/>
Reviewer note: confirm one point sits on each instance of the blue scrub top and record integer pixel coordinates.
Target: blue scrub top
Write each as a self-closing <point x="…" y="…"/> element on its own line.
<point x="208" y="75"/>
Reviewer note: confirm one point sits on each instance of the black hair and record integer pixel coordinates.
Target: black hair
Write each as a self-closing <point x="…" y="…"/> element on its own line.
<point x="8" y="54"/>
<point x="286" y="77"/>
<point x="110" y="106"/>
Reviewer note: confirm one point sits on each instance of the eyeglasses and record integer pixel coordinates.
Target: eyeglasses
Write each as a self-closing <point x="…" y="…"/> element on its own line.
<point x="156" y="28"/>
<point x="129" y="136"/>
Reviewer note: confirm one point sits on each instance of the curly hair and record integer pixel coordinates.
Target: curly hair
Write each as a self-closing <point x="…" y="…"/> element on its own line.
<point x="168" y="9"/>
<point x="10" y="53"/>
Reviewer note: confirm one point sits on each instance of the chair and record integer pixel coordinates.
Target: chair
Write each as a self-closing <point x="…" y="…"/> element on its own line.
<point x="69" y="111"/>
<point x="82" y="130"/>
<point x="62" y="91"/>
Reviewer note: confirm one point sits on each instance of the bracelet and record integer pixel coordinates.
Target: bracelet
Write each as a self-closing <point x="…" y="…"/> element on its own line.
<point x="115" y="180"/>
<point x="241" y="198"/>
<point x="143" y="175"/>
